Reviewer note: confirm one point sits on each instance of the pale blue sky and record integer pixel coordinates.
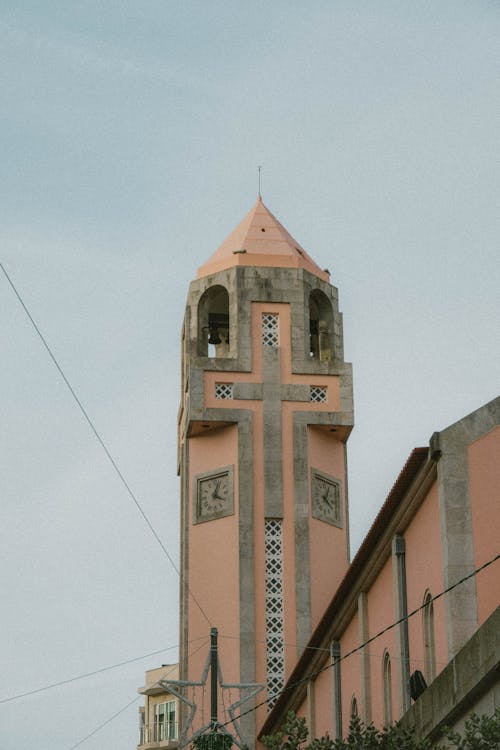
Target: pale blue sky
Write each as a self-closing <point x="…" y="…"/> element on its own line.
<point x="130" y="136"/>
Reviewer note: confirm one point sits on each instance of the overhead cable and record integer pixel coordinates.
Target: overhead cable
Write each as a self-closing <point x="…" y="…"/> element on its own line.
<point x="286" y="644"/>
<point x="91" y="674"/>
<point x="124" y="708"/>
<point x="315" y="674"/>
<point x="101" y="726"/>
<point x="100" y="439"/>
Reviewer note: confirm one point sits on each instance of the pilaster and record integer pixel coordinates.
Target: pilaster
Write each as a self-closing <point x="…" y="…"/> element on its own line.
<point x="451" y="445"/>
<point x="366" y="692"/>
<point x="400" y="613"/>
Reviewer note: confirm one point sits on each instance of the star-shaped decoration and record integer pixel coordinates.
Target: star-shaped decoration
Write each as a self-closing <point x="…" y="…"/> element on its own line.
<point x="173" y="687"/>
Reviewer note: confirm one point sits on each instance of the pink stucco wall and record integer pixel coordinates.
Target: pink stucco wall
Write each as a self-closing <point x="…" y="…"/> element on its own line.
<point x="328" y="544"/>
<point x="323" y="699"/>
<point x="209" y="560"/>
<point x="350" y="671"/>
<point x="381" y="612"/>
<point x="424" y="572"/>
<point x="484" y="477"/>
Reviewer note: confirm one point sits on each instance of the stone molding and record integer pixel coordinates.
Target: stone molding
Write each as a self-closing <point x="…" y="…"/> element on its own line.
<point x="451" y="445"/>
<point x="474" y="671"/>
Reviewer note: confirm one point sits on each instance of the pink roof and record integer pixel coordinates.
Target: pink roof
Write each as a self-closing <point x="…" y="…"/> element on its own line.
<point x="260" y="240"/>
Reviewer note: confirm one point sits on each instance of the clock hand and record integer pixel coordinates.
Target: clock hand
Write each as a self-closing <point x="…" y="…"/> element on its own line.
<point x="325" y="498"/>
<point x="215" y="493"/>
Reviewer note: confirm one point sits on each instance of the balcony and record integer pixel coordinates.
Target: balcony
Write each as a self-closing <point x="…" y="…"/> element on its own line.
<point x="158" y="735"/>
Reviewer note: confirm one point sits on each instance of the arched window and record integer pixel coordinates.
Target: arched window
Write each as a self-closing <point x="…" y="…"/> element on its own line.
<point x="429" y="641"/>
<point x="354" y="707"/>
<point x="320" y="327"/>
<point x="387" y="688"/>
<point x="213" y="322"/>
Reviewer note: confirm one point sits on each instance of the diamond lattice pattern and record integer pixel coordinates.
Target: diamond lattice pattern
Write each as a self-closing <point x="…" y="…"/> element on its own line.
<point x="317" y="394"/>
<point x="270" y="329"/>
<point x="223" y="390"/>
<point x="275" y="657"/>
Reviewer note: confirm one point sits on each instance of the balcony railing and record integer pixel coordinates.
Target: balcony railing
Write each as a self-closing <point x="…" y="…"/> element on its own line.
<point x="167" y="733"/>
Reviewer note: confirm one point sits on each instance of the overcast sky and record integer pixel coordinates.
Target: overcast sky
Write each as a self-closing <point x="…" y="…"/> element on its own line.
<point x="130" y="138"/>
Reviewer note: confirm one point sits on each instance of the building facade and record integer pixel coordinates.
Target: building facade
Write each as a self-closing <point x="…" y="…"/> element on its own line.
<point x="265" y="415"/>
<point x="159" y="717"/>
<point x="437" y="531"/>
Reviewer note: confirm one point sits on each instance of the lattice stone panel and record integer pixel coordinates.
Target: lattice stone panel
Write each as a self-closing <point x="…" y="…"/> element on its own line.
<point x="270" y="329"/>
<point x="223" y="390"/>
<point x="317" y="394"/>
<point x="275" y="656"/>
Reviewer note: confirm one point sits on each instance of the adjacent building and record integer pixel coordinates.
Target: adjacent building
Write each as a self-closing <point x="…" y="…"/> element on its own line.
<point x="438" y="526"/>
<point x="159" y="717"/>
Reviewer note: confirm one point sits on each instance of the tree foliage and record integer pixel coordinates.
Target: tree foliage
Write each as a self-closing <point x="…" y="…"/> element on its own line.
<point x="213" y="741"/>
<point x="480" y="733"/>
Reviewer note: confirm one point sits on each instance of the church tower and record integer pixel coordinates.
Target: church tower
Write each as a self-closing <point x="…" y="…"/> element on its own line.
<point x="265" y="414"/>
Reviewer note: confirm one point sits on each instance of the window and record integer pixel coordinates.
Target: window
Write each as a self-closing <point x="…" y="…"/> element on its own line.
<point x="213" y="322"/>
<point x="354" y="707"/>
<point x="429" y="641"/>
<point x="317" y="394"/>
<point x="165" y="726"/>
<point x="270" y="329"/>
<point x="142" y="728"/>
<point x="275" y="657"/>
<point x="223" y="390"/>
<point x="320" y="326"/>
<point x="387" y="688"/>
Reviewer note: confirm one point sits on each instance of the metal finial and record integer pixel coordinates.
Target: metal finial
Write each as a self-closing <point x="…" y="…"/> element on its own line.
<point x="259" y="169"/>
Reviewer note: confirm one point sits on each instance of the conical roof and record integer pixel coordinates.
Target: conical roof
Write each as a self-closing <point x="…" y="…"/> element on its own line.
<point x="260" y="240"/>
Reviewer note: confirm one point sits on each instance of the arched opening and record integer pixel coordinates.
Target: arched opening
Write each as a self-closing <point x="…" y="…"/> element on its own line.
<point x="354" y="707"/>
<point x="429" y="640"/>
<point x="320" y="327"/>
<point x="387" y="688"/>
<point x="213" y="322"/>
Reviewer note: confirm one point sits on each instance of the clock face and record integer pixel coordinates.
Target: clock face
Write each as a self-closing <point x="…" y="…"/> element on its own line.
<point x="214" y="495"/>
<point x="326" y="498"/>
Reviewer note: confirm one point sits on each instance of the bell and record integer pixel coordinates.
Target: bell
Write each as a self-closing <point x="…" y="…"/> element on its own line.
<point x="214" y="337"/>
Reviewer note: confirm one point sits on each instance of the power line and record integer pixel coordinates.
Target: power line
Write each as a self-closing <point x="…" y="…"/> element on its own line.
<point x="100" y="439"/>
<point x="204" y="639"/>
<point x="173" y="564"/>
<point x="323" y="669"/>
<point x="101" y="726"/>
<point x="124" y="708"/>
<point x="315" y="674"/>
<point x="307" y="648"/>
<point x="328" y="666"/>
<point x="91" y="674"/>
<point x="287" y="644"/>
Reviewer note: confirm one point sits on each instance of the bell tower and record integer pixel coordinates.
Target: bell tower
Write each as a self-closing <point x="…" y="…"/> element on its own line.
<point x="265" y="414"/>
